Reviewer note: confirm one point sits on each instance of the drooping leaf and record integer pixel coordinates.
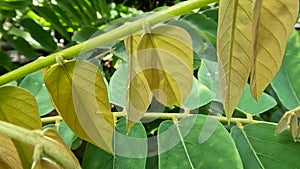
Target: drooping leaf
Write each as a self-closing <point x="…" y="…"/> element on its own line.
<point x="294" y="126"/>
<point x="9" y="157"/>
<point x="283" y="123"/>
<point x="234" y="50"/>
<point x="79" y="94"/>
<point x="180" y="145"/>
<point x="39" y="34"/>
<point x="34" y="83"/>
<point x="138" y="93"/>
<point x="165" y="55"/>
<point x="273" y="21"/>
<point x="260" y="148"/>
<point x="287" y="82"/>
<point x="130" y="151"/>
<point x="19" y="107"/>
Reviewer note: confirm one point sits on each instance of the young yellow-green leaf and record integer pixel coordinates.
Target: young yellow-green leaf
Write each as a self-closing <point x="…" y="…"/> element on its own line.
<point x="19" y="107"/>
<point x="234" y="50"/>
<point x="52" y="135"/>
<point x="44" y="163"/>
<point x="138" y="94"/>
<point x="9" y="157"/>
<point x="79" y="94"/>
<point x="273" y="22"/>
<point x="165" y="55"/>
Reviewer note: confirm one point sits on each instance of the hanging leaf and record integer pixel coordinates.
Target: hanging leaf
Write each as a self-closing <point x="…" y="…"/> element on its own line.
<point x="138" y="94"/>
<point x="165" y="55"/>
<point x="234" y="50"/>
<point x="273" y="21"/>
<point x="19" y="107"/>
<point x="130" y="150"/>
<point x="79" y="94"/>
<point x="9" y="157"/>
<point x="287" y="82"/>
<point x="294" y="126"/>
<point x="179" y="145"/>
<point x="260" y="148"/>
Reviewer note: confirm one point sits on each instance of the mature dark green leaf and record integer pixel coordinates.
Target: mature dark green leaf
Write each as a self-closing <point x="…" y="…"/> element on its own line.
<point x="34" y="83"/>
<point x="14" y="4"/>
<point x="209" y="28"/>
<point x="39" y="34"/>
<point x="259" y="148"/>
<point x="287" y="82"/>
<point x="22" y="46"/>
<point x="5" y="61"/>
<point x="50" y="16"/>
<point x="130" y="151"/>
<point x="84" y="34"/>
<point x="196" y="142"/>
<point x="249" y="105"/>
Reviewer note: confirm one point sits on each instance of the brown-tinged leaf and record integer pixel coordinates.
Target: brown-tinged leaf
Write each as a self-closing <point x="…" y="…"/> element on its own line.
<point x="283" y="123"/>
<point x="273" y="22"/>
<point x="294" y="126"/>
<point x="165" y="55"/>
<point x="19" y="107"/>
<point x="234" y="50"/>
<point x="138" y="94"/>
<point x="9" y="157"/>
<point x="79" y="94"/>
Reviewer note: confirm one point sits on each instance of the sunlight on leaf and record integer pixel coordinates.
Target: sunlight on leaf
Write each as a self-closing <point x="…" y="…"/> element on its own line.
<point x="45" y="163"/>
<point x="79" y="94"/>
<point x="234" y="50"/>
<point x="273" y="22"/>
<point x="19" y="107"/>
<point x="9" y="157"/>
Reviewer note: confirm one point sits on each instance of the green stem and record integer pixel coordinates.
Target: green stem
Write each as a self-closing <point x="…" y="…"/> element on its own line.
<point x="56" y="151"/>
<point x="120" y="32"/>
<point x="166" y="116"/>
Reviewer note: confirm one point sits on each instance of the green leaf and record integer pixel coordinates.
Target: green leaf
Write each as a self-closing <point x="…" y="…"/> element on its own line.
<point x="19" y="107"/>
<point x="79" y="94"/>
<point x="199" y="96"/>
<point x="269" y="43"/>
<point x="39" y="34"/>
<point x="249" y="105"/>
<point x="130" y="151"/>
<point x="234" y="50"/>
<point x="196" y="142"/>
<point x="5" y="61"/>
<point x="14" y="4"/>
<point x="34" y="83"/>
<point x="9" y="157"/>
<point x="50" y="16"/>
<point x="22" y="46"/>
<point x="287" y="82"/>
<point x="209" y="28"/>
<point x="260" y="148"/>
<point x="117" y="86"/>
<point x="84" y="34"/>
